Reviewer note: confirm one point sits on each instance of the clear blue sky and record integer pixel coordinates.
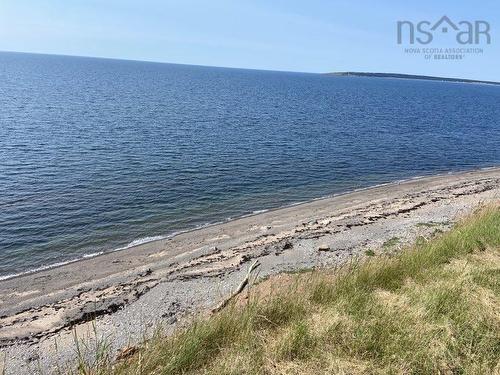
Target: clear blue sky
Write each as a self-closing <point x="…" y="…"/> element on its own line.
<point x="308" y="36"/>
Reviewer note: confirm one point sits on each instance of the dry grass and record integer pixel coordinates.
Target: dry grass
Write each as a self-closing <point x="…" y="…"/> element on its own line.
<point x="435" y="308"/>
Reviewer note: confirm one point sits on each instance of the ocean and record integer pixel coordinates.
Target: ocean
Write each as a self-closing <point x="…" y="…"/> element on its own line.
<point x="100" y="154"/>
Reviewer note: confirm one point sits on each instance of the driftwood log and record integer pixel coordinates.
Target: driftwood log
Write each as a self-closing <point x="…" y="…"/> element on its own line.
<point x="239" y="289"/>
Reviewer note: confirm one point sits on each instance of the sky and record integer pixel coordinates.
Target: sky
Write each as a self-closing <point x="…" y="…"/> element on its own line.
<point x="305" y="36"/>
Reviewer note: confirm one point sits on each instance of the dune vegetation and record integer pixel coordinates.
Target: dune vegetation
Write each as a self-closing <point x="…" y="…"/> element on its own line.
<point x="433" y="308"/>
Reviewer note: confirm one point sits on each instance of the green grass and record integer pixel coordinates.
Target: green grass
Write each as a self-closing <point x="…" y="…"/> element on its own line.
<point x="391" y="242"/>
<point x="432" y="309"/>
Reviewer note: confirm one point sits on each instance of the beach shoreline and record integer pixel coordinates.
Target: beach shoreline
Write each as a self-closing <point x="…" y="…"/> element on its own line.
<point x="163" y="280"/>
<point x="160" y="237"/>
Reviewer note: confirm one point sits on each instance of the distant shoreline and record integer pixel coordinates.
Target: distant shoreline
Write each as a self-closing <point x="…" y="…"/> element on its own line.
<point x="339" y="74"/>
<point x="408" y="76"/>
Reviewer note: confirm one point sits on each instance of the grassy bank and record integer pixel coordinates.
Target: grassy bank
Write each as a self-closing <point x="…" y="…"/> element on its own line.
<point x="435" y="308"/>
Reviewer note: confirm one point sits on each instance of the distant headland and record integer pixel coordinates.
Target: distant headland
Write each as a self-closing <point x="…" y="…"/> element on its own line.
<point x="409" y="76"/>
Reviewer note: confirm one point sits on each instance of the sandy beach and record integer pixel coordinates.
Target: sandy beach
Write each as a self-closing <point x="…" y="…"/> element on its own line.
<point x="128" y="293"/>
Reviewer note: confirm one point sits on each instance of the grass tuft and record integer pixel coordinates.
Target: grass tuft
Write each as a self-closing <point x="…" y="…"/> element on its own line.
<point x="370" y="252"/>
<point x="391" y="242"/>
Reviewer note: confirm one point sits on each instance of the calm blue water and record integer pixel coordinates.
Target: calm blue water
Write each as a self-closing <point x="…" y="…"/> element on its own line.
<point x="95" y="154"/>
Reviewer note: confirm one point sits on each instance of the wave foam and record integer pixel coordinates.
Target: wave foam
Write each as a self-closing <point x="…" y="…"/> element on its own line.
<point x="141" y="241"/>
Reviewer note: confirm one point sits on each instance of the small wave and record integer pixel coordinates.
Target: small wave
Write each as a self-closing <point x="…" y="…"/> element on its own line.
<point x="91" y="255"/>
<point x="298" y="203"/>
<point x="141" y="241"/>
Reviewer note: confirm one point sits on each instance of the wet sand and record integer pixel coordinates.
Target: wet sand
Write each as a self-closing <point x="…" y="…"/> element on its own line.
<point x="129" y="292"/>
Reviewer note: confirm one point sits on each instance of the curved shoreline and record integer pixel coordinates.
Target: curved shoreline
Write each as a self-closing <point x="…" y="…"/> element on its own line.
<point x="158" y="238"/>
<point x="163" y="281"/>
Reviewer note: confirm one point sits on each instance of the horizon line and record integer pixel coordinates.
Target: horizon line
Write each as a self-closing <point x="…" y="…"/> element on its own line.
<point x="242" y="68"/>
<point x="155" y="62"/>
